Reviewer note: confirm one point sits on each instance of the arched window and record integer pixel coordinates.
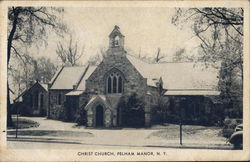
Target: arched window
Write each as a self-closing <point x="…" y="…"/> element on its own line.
<point x="120" y="84"/>
<point x="109" y="84"/>
<point x="114" y="83"/>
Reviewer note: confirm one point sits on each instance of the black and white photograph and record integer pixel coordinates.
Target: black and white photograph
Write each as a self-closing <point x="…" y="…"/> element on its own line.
<point x="113" y="81"/>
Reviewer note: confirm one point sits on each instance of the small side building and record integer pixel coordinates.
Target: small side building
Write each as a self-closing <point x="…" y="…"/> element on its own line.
<point x="33" y="101"/>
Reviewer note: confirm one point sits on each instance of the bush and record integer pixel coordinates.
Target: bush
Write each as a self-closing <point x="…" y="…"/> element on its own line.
<point x="229" y="126"/>
<point x="24" y="123"/>
<point x="80" y="117"/>
<point x="157" y="116"/>
<point x="132" y="109"/>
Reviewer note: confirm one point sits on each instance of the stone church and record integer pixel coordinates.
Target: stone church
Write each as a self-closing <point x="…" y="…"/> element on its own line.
<point x="96" y="91"/>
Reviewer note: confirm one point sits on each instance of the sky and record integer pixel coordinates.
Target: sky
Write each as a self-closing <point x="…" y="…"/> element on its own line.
<point x="145" y="30"/>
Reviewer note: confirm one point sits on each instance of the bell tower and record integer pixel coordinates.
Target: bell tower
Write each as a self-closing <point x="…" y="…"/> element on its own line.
<point x="116" y="39"/>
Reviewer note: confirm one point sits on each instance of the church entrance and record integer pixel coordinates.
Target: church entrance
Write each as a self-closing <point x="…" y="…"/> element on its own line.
<point x="99" y="116"/>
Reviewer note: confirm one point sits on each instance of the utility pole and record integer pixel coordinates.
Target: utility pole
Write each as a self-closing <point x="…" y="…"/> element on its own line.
<point x="180" y="107"/>
<point x="181" y="132"/>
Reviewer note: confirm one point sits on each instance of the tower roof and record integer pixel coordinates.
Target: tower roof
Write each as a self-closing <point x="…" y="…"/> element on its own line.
<point x="115" y="32"/>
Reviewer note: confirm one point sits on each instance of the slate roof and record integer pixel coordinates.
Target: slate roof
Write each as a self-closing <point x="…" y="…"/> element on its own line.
<point x="90" y="70"/>
<point x="178" y="76"/>
<point x="67" y="77"/>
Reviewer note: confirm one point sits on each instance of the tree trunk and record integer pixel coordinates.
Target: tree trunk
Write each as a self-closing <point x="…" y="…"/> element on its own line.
<point x="9" y="119"/>
<point x="10" y="39"/>
<point x="12" y="33"/>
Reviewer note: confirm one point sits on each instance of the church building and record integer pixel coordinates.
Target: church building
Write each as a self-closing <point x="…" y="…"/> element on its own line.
<point x="93" y="94"/>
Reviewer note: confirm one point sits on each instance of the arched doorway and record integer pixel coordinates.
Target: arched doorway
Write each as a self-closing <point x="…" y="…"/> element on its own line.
<point x="99" y="116"/>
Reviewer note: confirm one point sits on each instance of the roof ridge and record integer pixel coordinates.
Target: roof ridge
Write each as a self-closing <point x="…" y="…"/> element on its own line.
<point x="28" y="89"/>
<point x="83" y="74"/>
<point x="138" y="58"/>
<point x="57" y="74"/>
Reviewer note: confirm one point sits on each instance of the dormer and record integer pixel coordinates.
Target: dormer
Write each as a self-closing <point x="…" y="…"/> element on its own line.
<point x="116" y="39"/>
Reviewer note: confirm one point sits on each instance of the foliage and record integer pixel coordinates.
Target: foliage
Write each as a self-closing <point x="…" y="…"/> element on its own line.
<point x="180" y="56"/>
<point x="220" y="31"/>
<point x="81" y="118"/>
<point x="229" y="125"/>
<point x="24" y="75"/>
<point x="24" y="123"/>
<point x="28" y="26"/>
<point x="44" y="69"/>
<point x="132" y="109"/>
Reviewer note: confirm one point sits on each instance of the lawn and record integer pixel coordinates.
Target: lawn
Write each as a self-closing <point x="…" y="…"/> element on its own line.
<point x="51" y="133"/>
<point x="24" y="123"/>
<point x="190" y="132"/>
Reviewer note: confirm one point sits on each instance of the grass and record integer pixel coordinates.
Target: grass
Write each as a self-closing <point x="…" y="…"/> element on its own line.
<point x="24" y="123"/>
<point x="51" y="133"/>
<point x="188" y="131"/>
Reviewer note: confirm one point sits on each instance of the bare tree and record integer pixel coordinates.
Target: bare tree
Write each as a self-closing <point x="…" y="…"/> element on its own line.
<point x="144" y="57"/>
<point x="26" y="26"/>
<point x="70" y="54"/>
<point x="158" y="57"/>
<point x="220" y="31"/>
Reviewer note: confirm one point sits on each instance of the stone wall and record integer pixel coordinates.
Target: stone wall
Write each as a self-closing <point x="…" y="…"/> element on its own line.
<point x="109" y="112"/>
<point x="57" y="111"/>
<point x="134" y="82"/>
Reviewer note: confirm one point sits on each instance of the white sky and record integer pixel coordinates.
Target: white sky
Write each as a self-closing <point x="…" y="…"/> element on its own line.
<point x="144" y="28"/>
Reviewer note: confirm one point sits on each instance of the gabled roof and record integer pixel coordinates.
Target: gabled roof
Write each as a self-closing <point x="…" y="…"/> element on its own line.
<point x="98" y="98"/>
<point x="178" y="76"/>
<point x="44" y="86"/>
<point x="67" y="77"/>
<point x="116" y="31"/>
